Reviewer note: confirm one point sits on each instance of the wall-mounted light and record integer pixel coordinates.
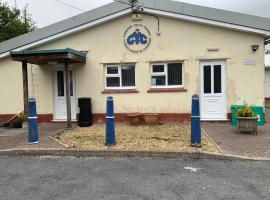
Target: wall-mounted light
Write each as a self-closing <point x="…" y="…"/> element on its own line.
<point x="254" y="47"/>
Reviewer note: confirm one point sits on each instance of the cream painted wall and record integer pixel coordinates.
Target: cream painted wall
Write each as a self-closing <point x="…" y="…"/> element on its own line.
<point x="11" y="89"/>
<point x="179" y="40"/>
<point x="41" y="86"/>
<point x="267" y="83"/>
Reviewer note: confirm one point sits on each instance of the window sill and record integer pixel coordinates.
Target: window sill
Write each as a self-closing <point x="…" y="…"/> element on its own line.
<point x="157" y="90"/>
<point x="119" y="91"/>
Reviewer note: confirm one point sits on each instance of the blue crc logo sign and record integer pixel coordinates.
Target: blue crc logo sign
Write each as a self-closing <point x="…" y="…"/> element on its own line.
<point x="137" y="38"/>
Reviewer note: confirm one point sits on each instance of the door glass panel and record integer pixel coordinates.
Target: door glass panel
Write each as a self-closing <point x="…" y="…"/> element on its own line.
<point x="71" y="82"/>
<point x="207" y="79"/>
<point x="60" y="84"/>
<point x="217" y="79"/>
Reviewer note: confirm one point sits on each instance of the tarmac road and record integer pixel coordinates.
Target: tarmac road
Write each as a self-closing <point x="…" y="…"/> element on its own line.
<point x="53" y="178"/>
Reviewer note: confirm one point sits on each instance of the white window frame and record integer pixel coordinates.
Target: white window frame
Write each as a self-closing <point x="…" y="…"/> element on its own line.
<point x="165" y="73"/>
<point x="119" y="75"/>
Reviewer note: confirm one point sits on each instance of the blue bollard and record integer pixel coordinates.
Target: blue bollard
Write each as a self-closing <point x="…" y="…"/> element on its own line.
<point x="32" y="121"/>
<point x="195" y="122"/>
<point x="110" y="127"/>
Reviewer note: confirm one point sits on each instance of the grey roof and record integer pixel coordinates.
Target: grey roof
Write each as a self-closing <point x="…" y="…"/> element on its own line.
<point x="162" y="5"/>
<point x="209" y="13"/>
<point x="62" y="26"/>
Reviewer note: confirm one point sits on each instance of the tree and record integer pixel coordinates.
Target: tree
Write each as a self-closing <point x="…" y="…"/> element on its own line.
<point x="14" y="22"/>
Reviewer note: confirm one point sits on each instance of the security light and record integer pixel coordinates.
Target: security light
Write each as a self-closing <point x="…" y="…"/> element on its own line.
<point x="254" y="47"/>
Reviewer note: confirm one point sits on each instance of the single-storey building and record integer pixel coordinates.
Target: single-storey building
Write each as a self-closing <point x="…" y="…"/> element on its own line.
<point x="151" y="57"/>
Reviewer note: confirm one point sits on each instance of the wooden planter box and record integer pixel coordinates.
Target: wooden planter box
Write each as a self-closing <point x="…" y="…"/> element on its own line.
<point x="134" y="119"/>
<point x="247" y="124"/>
<point x="150" y="118"/>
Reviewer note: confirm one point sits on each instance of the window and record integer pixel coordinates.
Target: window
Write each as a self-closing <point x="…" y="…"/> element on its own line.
<point x="207" y="79"/>
<point x="61" y="83"/>
<point x="120" y="76"/>
<point x="217" y="79"/>
<point x="167" y="75"/>
<point x="212" y="79"/>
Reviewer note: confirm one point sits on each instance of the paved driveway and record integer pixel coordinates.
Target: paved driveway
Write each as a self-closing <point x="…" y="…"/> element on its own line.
<point x="244" y="144"/>
<point x="67" y="178"/>
<point x="18" y="138"/>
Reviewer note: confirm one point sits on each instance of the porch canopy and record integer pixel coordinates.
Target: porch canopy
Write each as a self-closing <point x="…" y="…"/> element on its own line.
<point x="44" y="57"/>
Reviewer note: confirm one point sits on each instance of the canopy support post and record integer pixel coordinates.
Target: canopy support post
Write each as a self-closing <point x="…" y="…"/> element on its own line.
<point x="68" y="102"/>
<point x="25" y="87"/>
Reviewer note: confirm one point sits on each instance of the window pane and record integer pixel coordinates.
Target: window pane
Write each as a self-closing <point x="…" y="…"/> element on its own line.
<point x="112" y="70"/>
<point x="60" y="84"/>
<point x="128" y="75"/>
<point x="71" y="82"/>
<point x="158" y="68"/>
<point x="217" y="78"/>
<point x="175" y="74"/>
<point x="158" y="80"/>
<point x="207" y="79"/>
<point x="113" y="82"/>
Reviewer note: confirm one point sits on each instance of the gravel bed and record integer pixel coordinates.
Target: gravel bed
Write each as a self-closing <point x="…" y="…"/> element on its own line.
<point x="173" y="137"/>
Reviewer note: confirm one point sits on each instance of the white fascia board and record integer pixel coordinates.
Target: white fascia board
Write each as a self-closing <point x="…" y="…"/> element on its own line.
<point x="207" y="21"/>
<point x="69" y="32"/>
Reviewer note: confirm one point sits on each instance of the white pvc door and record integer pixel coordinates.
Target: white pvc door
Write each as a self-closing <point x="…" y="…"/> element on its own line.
<point x="60" y="110"/>
<point x="213" y="90"/>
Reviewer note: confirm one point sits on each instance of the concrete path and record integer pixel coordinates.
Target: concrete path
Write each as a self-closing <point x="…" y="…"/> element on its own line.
<point x="69" y="178"/>
<point x="244" y="144"/>
<point x="18" y="138"/>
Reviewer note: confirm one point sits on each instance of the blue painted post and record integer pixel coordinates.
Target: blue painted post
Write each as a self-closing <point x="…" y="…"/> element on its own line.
<point x="110" y="126"/>
<point x="195" y="122"/>
<point x="32" y="121"/>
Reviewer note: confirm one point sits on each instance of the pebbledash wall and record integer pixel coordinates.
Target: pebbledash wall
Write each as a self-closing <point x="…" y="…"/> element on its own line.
<point x="179" y="40"/>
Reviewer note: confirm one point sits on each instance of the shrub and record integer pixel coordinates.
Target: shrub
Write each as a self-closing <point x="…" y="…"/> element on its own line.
<point x="245" y="111"/>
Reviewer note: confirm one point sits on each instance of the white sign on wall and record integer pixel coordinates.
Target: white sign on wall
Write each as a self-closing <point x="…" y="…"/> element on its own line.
<point x="249" y="61"/>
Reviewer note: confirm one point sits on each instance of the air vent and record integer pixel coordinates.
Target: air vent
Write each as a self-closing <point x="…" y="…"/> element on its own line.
<point x="137" y="17"/>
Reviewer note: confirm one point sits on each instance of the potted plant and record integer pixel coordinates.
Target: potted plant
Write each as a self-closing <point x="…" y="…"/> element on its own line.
<point x="246" y="120"/>
<point x="18" y="121"/>
<point x="134" y="119"/>
<point x="150" y="118"/>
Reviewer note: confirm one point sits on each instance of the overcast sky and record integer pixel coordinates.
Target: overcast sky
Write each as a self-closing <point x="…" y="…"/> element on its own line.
<point x="45" y="12"/>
